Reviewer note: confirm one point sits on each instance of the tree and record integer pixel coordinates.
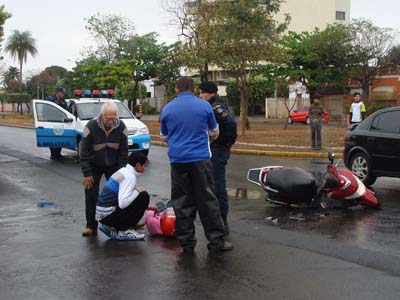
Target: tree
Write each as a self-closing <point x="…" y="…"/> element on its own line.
<point x="393" y="57"/>
<point x="316" y="58"/>
<point x="109" y="31"/>
<point x="143" y="54"/>
<point x="195" y="21"/>
<point x="168" y="68"/>
<point x="3" y="18"/>
<point x="244" y="33"/>
<point x="371" y="44"/>
<point x="10" y="79"/>
<point x="94" y="73"/>
<point x="19" y="45"/>
<point x="46" y="82"/>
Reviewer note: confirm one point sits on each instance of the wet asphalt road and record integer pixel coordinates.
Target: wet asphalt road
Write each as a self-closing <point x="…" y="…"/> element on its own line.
<point x="351" y="254"/>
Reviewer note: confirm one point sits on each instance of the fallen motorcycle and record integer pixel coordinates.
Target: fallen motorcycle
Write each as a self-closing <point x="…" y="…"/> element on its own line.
<point x="286" y="186"/>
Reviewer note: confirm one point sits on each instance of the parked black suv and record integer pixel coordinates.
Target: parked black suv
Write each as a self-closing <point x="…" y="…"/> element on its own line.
<point x="372" y="149"/>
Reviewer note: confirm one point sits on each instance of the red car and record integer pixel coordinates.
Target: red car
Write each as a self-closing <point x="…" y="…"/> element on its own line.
<point x="301" y="115"/>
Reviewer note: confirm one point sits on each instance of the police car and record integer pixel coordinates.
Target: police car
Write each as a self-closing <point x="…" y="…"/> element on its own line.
<point x="57" y="127"/>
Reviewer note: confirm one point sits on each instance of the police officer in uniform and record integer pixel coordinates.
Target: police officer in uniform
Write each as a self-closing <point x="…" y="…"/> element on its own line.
<point x="55" y="153"/>
<point x="220" y="148"/>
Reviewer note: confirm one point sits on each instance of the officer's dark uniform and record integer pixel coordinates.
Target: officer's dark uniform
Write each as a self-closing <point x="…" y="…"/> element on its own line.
<point x="101" y="153"/>
<point x="220" y="150"/>
<point x="55" y="153"/>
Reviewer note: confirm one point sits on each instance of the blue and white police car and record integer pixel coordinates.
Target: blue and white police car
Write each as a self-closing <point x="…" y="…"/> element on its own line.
<point x="57" y="127"/>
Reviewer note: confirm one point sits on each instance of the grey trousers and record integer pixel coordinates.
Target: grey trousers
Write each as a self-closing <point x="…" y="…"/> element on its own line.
<point x="316" y="139"/>
<point x="192" y="191"/>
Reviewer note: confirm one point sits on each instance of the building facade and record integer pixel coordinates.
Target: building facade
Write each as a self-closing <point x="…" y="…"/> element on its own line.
<point x="309" y="14"/>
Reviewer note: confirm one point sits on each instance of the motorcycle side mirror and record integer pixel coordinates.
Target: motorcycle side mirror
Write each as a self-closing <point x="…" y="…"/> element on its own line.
<point x="331" y="157"/>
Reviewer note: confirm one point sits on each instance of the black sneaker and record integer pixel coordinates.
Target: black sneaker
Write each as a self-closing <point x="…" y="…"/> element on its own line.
<point x="222" y="247"/>
<point x="187" y="251"/>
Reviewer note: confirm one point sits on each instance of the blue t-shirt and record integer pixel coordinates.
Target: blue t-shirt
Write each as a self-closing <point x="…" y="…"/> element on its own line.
<point x="186" y="121"/>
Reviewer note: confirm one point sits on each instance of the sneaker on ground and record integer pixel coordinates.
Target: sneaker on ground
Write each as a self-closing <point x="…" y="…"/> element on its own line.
<point x="130" y="235"/>
<point x="221" y="247"/>
<point x="108" y="231"/>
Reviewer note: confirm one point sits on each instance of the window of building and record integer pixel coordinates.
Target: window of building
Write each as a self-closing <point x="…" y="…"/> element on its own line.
<point x="340" y="15"/>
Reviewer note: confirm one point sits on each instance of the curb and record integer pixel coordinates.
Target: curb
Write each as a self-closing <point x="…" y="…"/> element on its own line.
<point x="300" y="154"/>
<point x="273" y="153"/>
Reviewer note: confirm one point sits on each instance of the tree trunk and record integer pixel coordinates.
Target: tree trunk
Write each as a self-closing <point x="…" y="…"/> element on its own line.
<point x="20" y="86"/>
<point x="204" y="73"/>
<point x="244" y="101"/>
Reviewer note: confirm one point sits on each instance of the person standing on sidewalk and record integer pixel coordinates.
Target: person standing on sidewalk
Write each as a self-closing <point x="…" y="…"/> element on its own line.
<point x="357" y="109"/>
<point x="220" y="148"/>
<point x="104" y="150"/>
<point x="55" y="153"/>
<point x="316" y="114"/>
<point x="186" y="124"/>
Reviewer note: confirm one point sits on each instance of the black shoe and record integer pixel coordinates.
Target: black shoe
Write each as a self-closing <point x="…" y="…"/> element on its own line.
<point x="56" y="157"/>
<point x="226" y="228"/>
<point x="218" y="248"/>
<point x="187" y="251"/>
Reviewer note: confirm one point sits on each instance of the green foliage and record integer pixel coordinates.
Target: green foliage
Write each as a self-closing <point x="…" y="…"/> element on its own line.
<point x="17" y="97"/>
<point x="375" y="106"/>
<point x="143" y="54"/>
<point x="45" y="83"/>
<point x="127" y="91"/>
<point x="146" y="109"/>
<point x="4" y="15"/>
<point x="316" y="58"/>
<point x="93" y="73"/>
<point x="259" y="88"/>
<point x="19" y="45"/>
<point x="393" y="57"/>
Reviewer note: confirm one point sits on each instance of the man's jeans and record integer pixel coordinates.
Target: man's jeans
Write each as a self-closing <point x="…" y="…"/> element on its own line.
<point x="316" y="142"/>
<point x="219" y="160"/>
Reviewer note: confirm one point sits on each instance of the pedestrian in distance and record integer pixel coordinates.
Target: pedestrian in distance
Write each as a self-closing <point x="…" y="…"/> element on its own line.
<point x="357" y="110"/>
<point x="316" y="114"/>
<point x="103" y="151"/>
<point x="220" y="148"/>
<point x="59" y="99"/>
<point x="121" y="204"/>
<point x="187" y="123"/>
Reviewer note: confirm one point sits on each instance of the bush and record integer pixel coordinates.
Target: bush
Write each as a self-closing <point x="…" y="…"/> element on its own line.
<point x="375" y="106"/>
<point x="146" y="109"/>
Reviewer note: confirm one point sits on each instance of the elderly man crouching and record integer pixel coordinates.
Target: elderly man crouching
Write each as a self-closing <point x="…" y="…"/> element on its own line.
<point x="104" y="150"/>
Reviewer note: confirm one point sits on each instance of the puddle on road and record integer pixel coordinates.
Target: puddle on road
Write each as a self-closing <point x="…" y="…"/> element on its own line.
<point x="46" y="204"/>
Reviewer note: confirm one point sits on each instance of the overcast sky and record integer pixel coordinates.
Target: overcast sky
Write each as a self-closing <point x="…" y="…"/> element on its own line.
<point x="59" y="26"/>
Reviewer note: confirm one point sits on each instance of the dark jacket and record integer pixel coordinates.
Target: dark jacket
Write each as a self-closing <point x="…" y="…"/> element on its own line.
<point x="316" y="112"/>
<point x="102" y="150"/>
<point x="226" y="123"/>
<point x="60" y="101"/>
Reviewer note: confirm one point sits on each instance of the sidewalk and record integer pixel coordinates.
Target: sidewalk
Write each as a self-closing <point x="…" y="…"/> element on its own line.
<point x="238" y="148"/>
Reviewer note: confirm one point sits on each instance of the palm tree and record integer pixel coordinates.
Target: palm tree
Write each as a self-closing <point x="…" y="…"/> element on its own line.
<point x="9" y="77"/>
<point x="19" y="45"/>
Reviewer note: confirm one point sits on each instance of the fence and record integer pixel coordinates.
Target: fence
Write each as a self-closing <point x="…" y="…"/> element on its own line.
<point x="157" y="103"/>
<point x="275" y="107"/>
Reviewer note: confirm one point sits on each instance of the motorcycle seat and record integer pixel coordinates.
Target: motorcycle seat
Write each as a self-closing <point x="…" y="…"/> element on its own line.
<point x="294" y="182"/>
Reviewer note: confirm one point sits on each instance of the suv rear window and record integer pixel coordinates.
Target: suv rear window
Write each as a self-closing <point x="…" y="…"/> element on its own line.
<point x="388" y="122"/>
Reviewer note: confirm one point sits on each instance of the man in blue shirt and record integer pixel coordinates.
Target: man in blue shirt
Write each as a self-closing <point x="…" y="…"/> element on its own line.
<point x="187" y="123"/>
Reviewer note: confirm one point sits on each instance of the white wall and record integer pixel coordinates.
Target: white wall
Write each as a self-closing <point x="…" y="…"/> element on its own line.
<point x="308" y="14"/>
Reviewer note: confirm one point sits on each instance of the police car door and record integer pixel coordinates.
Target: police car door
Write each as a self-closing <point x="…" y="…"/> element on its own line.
<point x="54" y="126"/>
